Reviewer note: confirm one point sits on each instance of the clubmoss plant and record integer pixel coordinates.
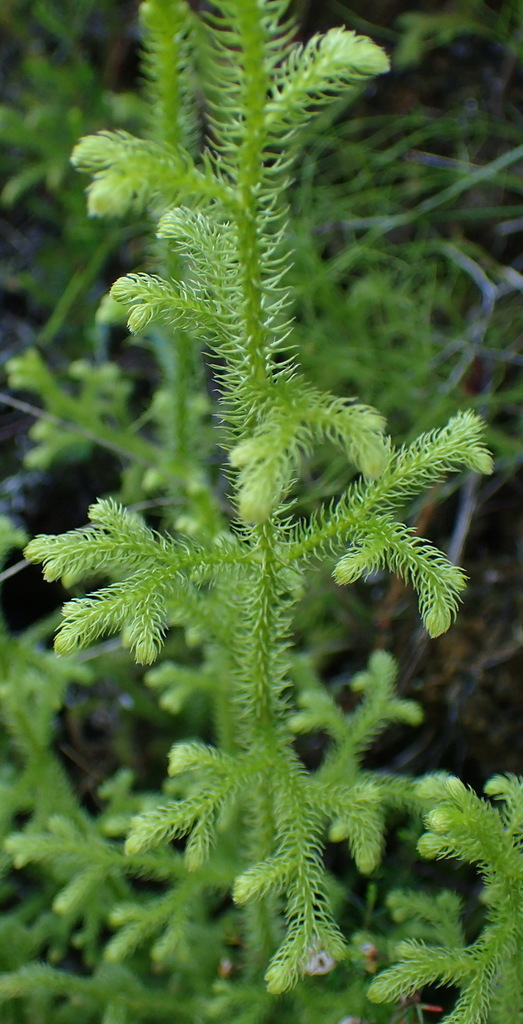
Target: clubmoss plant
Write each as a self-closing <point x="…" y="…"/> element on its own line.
<point x="488" y="973"/>
<point x="241" y="815"/>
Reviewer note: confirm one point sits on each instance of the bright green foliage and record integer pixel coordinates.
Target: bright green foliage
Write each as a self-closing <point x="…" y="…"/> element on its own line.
<point x="240" y="815"/>
<point x="489" y="972"/>
<point x="95" y="413"/>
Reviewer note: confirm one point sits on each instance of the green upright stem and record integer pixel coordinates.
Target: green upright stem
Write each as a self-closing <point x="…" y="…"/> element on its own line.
<point x="250" y="174"/>
<point x="259" y="675"/>
<point x="261" y="610"/>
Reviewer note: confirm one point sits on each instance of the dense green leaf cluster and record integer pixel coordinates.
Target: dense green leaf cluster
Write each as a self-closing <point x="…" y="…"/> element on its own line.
<point x="488" y="973"/>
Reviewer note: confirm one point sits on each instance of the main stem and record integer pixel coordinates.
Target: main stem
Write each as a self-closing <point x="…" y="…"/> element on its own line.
<point x="261" y="621"/>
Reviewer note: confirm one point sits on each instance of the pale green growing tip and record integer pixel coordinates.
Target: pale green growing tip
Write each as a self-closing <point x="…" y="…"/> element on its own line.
<point x="481" y="461"/>
<point x="255" y="505"/>
<point x="359" y="53"/>
<point x="431" y="786"/>
<point x="109" y="195"/>
<point x="437" y="620"/>
<point x="497" y="786"/>
<point x="62" y="903"/>
<point x="145" y="652"/>
<point x="430" y="846"/>
<point x="65" y="643"/>
<point x="369" y="59"/>
<point x="138" y="319"/>
<point x="374" y="459"/>
<point x="438" y="821"/>
<point x="243" y="889"/>
<point x="339" y="831"/>
<point x="455" y="788"/>
<point x="348" y="569"/>
<point x="133" y="845"/>
<point x="367" y="860"/>
<point x="243" y="453"/>
<point x="183" y="757"/>
<point x="36" y="551"/>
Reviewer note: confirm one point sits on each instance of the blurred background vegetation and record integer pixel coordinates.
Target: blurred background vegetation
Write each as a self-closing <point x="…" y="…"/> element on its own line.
<point x="407" y="227"/>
